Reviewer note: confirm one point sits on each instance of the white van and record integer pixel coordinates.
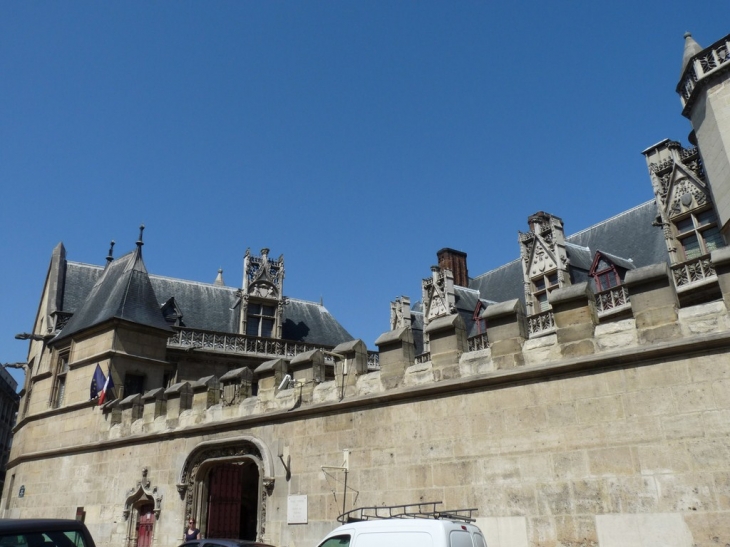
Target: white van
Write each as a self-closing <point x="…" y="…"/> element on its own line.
<point x="406" y="532"/>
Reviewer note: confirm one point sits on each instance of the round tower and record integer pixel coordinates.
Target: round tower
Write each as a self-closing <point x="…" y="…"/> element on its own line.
<point x="704" y="89"/>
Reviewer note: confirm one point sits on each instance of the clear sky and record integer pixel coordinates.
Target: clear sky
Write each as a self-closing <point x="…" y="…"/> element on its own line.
<point x="356" y="138"/>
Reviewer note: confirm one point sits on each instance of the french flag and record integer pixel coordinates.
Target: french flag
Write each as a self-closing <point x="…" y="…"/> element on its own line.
<point x="100" y="385"/>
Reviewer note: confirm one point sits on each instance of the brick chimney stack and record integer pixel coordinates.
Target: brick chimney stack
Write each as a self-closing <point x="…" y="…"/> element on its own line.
<point x="455" y="261"/>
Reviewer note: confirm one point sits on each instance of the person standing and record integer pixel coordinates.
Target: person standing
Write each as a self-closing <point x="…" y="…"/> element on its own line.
<point x="192" y="532"/>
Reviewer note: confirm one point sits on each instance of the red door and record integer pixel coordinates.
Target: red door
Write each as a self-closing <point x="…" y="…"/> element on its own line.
<point x="145" y="526"/>
<point x="224" y="502"/>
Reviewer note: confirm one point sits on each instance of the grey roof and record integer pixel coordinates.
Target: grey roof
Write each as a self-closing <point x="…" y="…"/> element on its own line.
<point x="618" y="261"/>
<point x="580" y="257"/>
<point x="204" y="306"/>
<point x="123" y="291"/>
<point x="628" y="235"/>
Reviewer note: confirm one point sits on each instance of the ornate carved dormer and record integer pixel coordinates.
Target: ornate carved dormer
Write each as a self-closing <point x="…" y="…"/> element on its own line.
<point x="400" y="313"/>
<point x="684" y="203"/>
<point x="262" y="295"/>
<point x="544" y="260"/>
<point x="439" y="298"/>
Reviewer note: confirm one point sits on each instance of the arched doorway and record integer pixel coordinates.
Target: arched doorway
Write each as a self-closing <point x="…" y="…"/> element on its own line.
<point x="225" y="485"/>
<point x="233" y="493"/>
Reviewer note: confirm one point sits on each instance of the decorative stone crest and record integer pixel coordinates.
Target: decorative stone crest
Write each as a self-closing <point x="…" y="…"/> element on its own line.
<point x="439" y="298"/>
<point x="263" y="277"/>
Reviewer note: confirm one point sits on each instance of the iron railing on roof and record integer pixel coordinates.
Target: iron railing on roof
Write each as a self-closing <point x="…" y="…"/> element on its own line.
<point x="240" y="344"/>
<point x="244" y="344"/>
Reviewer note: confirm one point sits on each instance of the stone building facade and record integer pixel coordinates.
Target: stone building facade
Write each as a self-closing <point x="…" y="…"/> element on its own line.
<point x="575" y="396"/>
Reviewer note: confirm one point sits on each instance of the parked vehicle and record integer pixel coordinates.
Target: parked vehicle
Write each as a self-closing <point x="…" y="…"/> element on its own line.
<point x="212" y="542"/>
<point x="418" y="525"/>
<point x="44" y="533"/>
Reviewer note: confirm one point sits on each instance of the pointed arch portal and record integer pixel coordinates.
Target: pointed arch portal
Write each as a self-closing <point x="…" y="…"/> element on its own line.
<point x="225" y="485"/>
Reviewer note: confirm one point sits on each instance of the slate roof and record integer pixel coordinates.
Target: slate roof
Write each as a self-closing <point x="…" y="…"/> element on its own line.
<point x="204" y="306"/>
<point x="628" y="235"/>
<point x="123" y="291"/>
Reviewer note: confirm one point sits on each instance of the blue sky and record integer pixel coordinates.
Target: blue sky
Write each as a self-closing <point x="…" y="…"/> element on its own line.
<point x="356" y="138"/>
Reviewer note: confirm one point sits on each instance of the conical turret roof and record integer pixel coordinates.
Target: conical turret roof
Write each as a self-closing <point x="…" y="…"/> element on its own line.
<point x="691" y="48"/>
<point x="123" y="291"/>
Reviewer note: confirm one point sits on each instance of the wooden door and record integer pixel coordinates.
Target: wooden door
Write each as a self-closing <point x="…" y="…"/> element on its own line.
<point x="224" y="502"/>
<point x="145" y="525"/>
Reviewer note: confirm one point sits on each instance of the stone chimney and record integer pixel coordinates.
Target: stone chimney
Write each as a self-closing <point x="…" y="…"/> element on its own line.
<point x="451" y="259"/>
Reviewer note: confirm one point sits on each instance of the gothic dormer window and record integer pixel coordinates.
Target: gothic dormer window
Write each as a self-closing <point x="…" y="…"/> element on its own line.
<point x="608" y="271"/>
<point x="698" y="234"/>
<point x="544" y="260"/>
<point x="262" y="300"/>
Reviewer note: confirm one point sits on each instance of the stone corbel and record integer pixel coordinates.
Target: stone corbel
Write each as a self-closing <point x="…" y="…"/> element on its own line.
<point x="269" y="485"/>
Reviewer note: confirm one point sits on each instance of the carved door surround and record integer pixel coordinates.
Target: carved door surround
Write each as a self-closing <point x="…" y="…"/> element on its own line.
<point x="192" y="484"/>
<point x="146" y="500"/>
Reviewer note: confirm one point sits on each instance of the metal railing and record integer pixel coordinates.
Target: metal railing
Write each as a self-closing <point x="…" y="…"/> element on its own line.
<point x="239" y="343"/>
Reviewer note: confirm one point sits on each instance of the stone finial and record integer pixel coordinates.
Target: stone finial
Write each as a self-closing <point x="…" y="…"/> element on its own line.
<point x="400" y="313"/>
<point x="110" y="256"/>
<point x="219" y="279"/>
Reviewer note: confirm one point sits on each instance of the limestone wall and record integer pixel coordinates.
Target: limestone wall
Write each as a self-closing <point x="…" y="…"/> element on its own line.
<point x="599" y="434"/>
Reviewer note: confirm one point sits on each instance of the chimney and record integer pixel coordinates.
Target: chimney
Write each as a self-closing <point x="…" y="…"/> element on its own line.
<point x="455" y="261"/>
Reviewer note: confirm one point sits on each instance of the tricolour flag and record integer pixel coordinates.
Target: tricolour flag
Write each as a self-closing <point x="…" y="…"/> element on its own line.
<point x="108" y="388"/>
<point x="97" y="383"/>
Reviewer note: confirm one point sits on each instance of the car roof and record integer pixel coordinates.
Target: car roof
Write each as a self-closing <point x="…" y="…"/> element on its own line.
<point x="226" y="541"/>
<point x="38" y="525"/>
<point x="406" y="524"/>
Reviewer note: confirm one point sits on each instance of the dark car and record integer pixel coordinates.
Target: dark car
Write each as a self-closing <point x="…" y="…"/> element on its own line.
<point x="44" y="533"/>
<point x="212" y="542"/>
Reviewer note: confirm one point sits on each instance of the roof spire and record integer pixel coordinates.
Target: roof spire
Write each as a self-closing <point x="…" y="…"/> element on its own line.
<point x="219" y="278"/>
<point x="139" y="241"/>
<point x="691" y="48"/>
<point x="110" y="256"/>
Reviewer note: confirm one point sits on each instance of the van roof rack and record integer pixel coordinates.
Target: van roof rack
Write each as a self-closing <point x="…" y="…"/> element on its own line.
<point x="424" y="510"/>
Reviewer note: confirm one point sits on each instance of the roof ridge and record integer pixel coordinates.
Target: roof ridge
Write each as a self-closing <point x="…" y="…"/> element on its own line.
<point x="192" y="282"/>
<point x="623" y="213"/>
<point x="496" y="269"/>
